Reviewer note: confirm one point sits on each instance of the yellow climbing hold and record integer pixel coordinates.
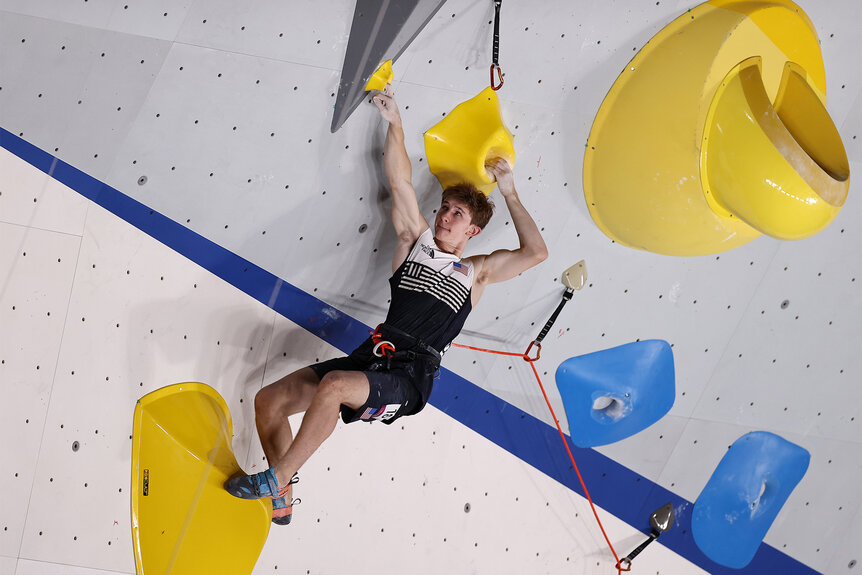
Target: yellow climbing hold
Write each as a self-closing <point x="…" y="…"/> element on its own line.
<point x="183" y="520"/>
<point x="780" y="170"/>
<point x="382" y="76"/>
<point x="717" y="132"/>
<point x="459" y="145"/>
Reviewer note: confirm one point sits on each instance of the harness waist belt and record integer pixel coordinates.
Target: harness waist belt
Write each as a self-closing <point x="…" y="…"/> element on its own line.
<point x="418" y="344"/>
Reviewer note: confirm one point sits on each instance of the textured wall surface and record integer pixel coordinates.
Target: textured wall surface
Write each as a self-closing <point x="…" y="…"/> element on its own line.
<point x="216" y="115"/>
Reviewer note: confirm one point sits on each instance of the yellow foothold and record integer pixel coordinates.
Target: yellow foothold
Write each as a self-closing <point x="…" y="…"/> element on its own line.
<point x="183" y="520"/>
<point x="459" y="145"/>
<point x="382" y="76"/>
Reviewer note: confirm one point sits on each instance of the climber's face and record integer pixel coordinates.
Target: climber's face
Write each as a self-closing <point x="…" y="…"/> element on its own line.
<point x="453" y="225"/>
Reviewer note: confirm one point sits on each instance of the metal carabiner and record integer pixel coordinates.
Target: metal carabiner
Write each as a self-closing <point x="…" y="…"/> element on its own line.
<point x="538" y="345"/>
<point x="499" y="75"/>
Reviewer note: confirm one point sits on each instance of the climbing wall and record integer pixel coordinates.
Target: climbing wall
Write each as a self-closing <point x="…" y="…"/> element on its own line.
<point x="215" y="117"/>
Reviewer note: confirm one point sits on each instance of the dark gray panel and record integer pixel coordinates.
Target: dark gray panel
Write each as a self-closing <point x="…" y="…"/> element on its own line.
<point x="381" y="30"/>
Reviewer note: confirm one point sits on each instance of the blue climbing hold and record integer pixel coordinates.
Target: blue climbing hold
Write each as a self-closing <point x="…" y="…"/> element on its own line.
<point x="744" y="495"/>
<point x="614" y="393"/>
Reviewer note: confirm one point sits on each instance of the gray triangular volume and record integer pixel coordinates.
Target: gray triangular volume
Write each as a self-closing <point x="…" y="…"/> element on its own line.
<point x="381" y="30"/>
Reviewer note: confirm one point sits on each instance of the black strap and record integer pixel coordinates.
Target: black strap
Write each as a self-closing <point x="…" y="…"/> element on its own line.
<point x="402" y="356"/>
<point x="495" y="65"/>
<point x="497" y="4"/>
<point x="653" y="536"/>
<point x="566" y="297"/>
<point x="416" y="343"/>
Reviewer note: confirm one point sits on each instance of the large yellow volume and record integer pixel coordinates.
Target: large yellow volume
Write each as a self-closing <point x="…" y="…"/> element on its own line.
<point x="717" y="132"/>
<point x="459" y="145"/>
<point x="183" y="520"/>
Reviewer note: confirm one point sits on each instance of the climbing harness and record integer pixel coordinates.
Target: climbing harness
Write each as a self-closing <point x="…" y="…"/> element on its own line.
<point x="573" y="279"/>
<point x="382" y="347"/>
<point x="385" y="349"/>
<point x="495" y="63"/>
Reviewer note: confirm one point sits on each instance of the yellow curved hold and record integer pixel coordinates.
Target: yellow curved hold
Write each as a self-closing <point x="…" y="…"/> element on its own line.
<point x="458" y="146"/>
<point x="717" y="132"/>
<point x="752" y="166"/>
<point x="382" y="76"/>
<point x="183" y="520"/>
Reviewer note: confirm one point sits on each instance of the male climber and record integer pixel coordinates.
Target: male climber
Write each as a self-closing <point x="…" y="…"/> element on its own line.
<point x="392" y="372"/>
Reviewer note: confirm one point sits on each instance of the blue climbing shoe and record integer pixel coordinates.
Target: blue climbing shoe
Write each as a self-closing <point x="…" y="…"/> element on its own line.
<point x="257" y="486"/>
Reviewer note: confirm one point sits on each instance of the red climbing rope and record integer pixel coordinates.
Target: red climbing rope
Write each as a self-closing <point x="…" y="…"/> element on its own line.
<point x="488" y="350"/>
<point x="531" y="361"/>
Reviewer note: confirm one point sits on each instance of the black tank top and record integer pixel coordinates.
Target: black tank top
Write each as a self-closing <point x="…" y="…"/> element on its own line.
<point x="431" y="293"/>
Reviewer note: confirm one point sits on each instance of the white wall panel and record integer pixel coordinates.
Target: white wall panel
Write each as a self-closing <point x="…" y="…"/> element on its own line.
<point x="87" y="88"/>
<point x="160" y="19"/>
<point x="26" y="567"/>
<point x="95" y="14"/>
<point x="648" y="452"/>
<point x="825" y="502"/>
<point x="31" y="198"/>
<point x="838" y="42"/>
<point x="140" y="317"/>
<point x="788" y="364"/>
<point x="38" y="269"/>
<point x="453" y="52"/>
<point x="279" y="30"/>
<point x="31" y="102"/>
<point x="154" y="18"/>
<point x="846" y="554"/>
<point x="244" y="155"/>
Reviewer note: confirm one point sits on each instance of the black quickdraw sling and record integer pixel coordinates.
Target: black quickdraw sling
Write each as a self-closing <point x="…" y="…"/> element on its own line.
<point x="573" y="278"/>
<point x="567" y="295"/>
<point x="495" y="63"/>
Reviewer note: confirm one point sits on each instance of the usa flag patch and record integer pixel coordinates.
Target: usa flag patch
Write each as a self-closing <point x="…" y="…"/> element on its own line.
<point x="460" y="268"/>
<point x="381" y="413"/>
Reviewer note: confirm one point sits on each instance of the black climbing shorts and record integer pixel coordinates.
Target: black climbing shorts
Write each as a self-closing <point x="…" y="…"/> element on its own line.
<point x="393" y="393"/>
